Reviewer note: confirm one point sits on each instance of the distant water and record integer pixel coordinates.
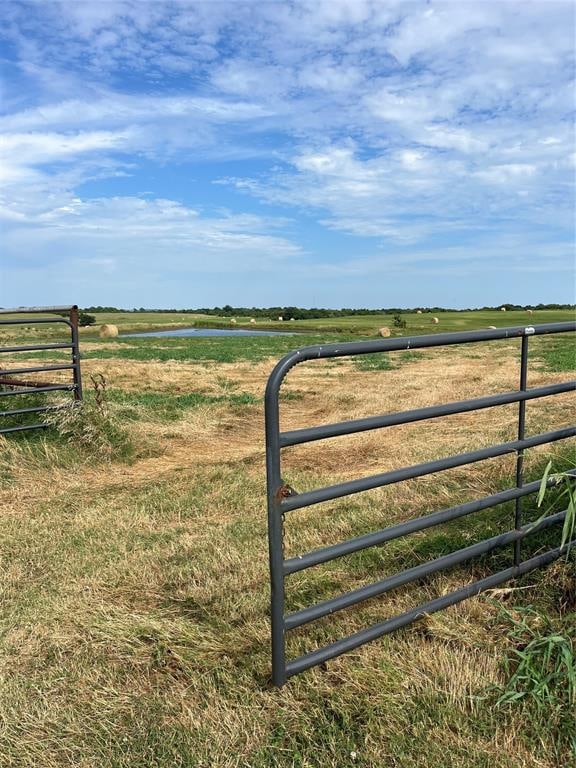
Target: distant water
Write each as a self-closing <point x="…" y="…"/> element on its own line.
<point x="207" y="332"/>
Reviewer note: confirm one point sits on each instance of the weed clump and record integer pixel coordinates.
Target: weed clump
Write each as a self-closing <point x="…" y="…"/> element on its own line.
<point x="94" y="429"/>
<point x="540" y="671"/>
<point x="94" y="425"/>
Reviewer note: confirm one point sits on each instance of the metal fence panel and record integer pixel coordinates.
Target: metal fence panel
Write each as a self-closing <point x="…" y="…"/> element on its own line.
<point x="283" y="499"/>
<point x="10" y="378"/>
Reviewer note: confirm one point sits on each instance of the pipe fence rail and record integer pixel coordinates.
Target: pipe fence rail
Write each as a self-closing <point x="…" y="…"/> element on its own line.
<point x="283" y="499"/>
<point x="11" y="382"/>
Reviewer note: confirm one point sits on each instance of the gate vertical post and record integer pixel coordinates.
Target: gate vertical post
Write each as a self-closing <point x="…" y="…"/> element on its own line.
<point x="520" y="453"/>
<point x="76" y="354"/>
<point x="275" y="531"/>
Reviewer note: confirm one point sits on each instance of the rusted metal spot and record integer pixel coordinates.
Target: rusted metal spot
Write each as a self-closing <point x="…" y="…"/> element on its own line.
<point x="284" y="492"/>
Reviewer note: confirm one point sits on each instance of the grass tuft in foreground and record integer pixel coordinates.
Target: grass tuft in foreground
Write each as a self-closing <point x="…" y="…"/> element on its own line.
<point x="94" y="428"/>
<point x="540" y="669"/>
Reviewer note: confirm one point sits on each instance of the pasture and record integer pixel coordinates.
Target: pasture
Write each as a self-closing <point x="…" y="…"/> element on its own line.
<point x="353" y="324"/>
<point x="134" y="629"/>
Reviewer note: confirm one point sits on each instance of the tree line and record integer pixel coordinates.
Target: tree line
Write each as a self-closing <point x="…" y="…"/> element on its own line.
<point x="301" y="313"/>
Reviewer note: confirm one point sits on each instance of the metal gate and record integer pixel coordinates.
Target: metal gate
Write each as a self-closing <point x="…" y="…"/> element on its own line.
<point x="282" y="499"/>
<point x="11" y="382"/>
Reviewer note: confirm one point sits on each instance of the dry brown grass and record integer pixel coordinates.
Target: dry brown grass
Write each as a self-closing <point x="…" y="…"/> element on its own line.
<point x="134" y="595"/>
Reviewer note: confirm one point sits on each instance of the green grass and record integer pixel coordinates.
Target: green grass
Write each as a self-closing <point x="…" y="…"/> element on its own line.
<point x="17" y="402"/>
<point x="225" y="349"/>
<point x="558" y="352"/>
<point x="540" y="670"/>
<point x="167" y="407"/>
<point x="231" y="349"/>
<point x="354" y="324"/>
<point x="380" y="361"/>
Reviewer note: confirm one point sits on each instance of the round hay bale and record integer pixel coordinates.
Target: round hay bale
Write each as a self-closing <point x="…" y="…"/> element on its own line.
<point x="292" y="319"/>
<point x="233" y="320"/>
<point x="502" y="309"/>
<point x="529" y="311"/>
<point x="435" y="321"/>
<point x="492" y="327"/>
<point x="280" y="318"/>
<point x="252" y="320"/>
<point x="108" y="331"/>
<point x="384" y="331"/>
<point x="418" y="311"/>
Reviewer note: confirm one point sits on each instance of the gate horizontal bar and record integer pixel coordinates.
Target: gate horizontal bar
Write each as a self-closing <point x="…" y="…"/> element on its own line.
<point x="38" y="409"/>
<point x="36" y="320"/>
<point x="24" y="310"/>
<point x="51" y="388"/>
<point x="324" y="555"/>
<point x="300" y="500"/>
<point x="36" y="347"/>
<point x="17" y="371"/>
<point x="355" y="596"/>
<point x="397" y="622"/>
<point x="23" y="428"/>
<point x="11" y="381"/>
<point x="298" y="436"/>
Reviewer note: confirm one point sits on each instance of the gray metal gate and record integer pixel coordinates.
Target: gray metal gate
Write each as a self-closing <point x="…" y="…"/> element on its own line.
<point x="283" y="499"/>
<point x="12" y="385"/>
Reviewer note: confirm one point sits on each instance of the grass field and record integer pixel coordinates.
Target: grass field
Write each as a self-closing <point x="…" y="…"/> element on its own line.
<point x="354" y="324"/>
<point x="133" y="619"/>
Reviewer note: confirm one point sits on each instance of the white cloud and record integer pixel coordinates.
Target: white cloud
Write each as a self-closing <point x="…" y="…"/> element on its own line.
<point x="460" y="139"/>
<point x="328" y="74"/>
<point x="121" y="109"/>
<point x="407" y="106"/>
<point x="131" y="233"/>
<point x="40" y="148"/>
<point x="507" y="172"/>
<point x="412" y="194"/>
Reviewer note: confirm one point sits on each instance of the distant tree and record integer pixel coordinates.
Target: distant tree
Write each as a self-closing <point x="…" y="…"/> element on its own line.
<point x="84" y="319"/>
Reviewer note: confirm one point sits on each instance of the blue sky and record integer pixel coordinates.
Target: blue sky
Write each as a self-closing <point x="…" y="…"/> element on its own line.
<point x="311" y="152"/>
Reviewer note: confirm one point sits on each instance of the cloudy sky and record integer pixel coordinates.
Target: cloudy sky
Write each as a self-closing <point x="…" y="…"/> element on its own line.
<point x="309" y="152"/>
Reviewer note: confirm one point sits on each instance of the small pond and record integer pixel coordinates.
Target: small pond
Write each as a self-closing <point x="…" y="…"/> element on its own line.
<point x="207" y="332"/>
